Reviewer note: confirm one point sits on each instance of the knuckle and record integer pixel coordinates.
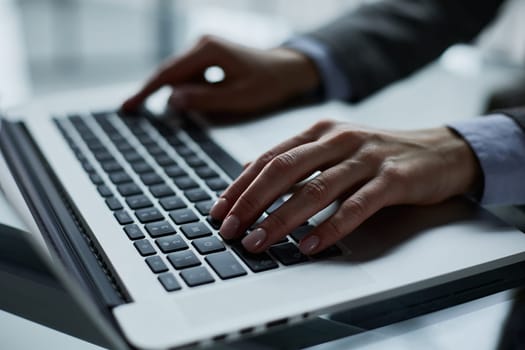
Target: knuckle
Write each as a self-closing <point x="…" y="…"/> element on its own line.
<point x="392" y="172"/>
<point x="323" y="125"/>
<point x="207" y="39"/>
<point x="355" y="206"/>
<point x="209" y="43"/>
<point x="282" y="163"/>
<point x="339" y="138"/>
<point x="303" y="138"/>
<point x="316" y="190"/>
<point x="264" y="159"/>
<point x="370" y="154"/>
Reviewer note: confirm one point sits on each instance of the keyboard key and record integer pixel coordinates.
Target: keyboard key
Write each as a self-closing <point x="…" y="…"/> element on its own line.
<point x="161" y="190"/>
<point x="154" y="149"/>
<point x="256" y="262"/>
<point x="141" y="167"/>
<point x="104" y="191"/>
<point x="216" y="224"/>
<point x="184" y="151"/>
<point x="206" y="172"/>
<point x="103" y="155"/>
<point x="208" y="245"/>
<point x="124" y="146"/>
<point x="111" y="166"/>
<point x="288" y="254"/>
<point x="156" y="264"/>
<point x="195" y="230"/>
<point x="225" y="265"/>
<point x="282" y="240"/>
<point x="185" y="182"/>
<point x="197" y="195"/>
<point x="258" y="221"/>
<point x="300" y="232"/>
<point x="93" y="142"/>
<point x="196" y="276"/>
<point x="148" y="215"/>
<point x="132" y="156"/>
<point x="113" y="203"/>
<point x="183" y="259"/>
<point x="174" y="140"/>
<point x="138" y="202"/>
<point x="115" y="136"/>
<point x="329" y="252"/>
<point x="151" y="179"/>
<point x="145" y="139"/>
<point x="171" y="243"/>
<point x="144" y="247"/>
<point x="204" y="207"/>
<point x="80" y="156"/>
<point x="275" y="205"/>
<point x="88" y="167"/>
<point x="183" y="216"/>
<point x="96" y="179"/>
<point x="119" y="177"/>
<point x="133" y="232"/>
<point x="173" y="202"/>
<point x="174" y="171"/>
<point x="216" y="184"/>
<point x="129" y="189"/>
<point x="195" y="161"/>
<point x="123" y="217"/>
<point x="169" y="282"/>
<point x="164" y="160"/>
<point x="160" y="228"/>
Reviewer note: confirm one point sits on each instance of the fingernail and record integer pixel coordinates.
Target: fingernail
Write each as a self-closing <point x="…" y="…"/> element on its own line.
<point x="230" y="226"/>
<point x="309" y="245"/>
<point x="218" y="210"/>
<point x="255" y="239"/>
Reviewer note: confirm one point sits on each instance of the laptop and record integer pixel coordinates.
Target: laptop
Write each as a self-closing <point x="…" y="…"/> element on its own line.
<point x="118" y="207"/>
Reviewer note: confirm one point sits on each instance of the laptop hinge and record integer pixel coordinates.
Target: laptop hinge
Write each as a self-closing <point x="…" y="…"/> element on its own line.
<point x="56" y="216"/>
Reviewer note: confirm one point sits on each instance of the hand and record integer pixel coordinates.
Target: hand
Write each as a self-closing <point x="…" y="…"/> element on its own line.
<point x="365" y="169"/>
<point x="254" y="79"/>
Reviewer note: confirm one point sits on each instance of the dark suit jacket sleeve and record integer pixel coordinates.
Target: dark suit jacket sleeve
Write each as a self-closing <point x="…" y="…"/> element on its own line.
<point x="385" y="41"/>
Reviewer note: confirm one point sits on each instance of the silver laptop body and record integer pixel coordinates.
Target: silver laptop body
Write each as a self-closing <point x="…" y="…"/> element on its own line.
<point x="402" y="257"/>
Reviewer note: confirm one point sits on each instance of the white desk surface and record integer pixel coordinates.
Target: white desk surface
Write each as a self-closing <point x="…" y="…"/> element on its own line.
<point x="453" y="89"/>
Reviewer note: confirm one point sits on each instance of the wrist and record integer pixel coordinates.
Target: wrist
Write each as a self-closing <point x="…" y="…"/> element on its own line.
<point x="463" y="159"/>
<point x="296" y="71"/>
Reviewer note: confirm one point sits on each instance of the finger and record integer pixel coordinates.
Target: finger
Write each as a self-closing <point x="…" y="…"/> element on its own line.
<point x="187" y="67"/>
<point x="373" y="196"/>
<point x="230" y="195"/>
<point x="312" y="197"/>
<point x="275" y="179"/>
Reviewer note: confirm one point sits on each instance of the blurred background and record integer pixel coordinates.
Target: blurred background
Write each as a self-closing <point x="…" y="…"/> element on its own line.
<point x="48" y="46"/>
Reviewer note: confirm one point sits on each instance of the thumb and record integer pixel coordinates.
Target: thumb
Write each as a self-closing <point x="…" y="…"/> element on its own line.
<point x="180" y="70"/>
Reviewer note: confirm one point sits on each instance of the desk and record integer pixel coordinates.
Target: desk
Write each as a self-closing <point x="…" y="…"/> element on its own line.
<point x="437" y="95"/>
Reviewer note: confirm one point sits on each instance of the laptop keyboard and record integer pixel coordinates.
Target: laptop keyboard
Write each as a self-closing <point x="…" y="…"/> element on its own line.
<point x="160" y="187"/>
